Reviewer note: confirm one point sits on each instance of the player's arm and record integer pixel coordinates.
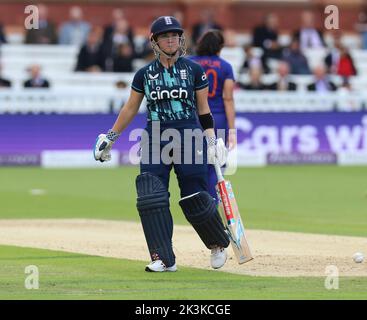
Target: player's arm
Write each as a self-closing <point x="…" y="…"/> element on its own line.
<point x="205" y="116"/>
<point x="217" y="151"/>
<point x="128" y="111"/>
<point x="230" y="111"/>
<point x="104" y="142"/>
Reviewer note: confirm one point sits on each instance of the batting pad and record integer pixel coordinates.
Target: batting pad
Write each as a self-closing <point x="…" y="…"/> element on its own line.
<point x="155" y="216"/>
<point x="201" y="211"/>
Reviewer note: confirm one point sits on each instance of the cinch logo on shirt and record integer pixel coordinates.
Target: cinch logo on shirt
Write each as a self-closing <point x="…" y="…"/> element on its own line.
<point x="169" y="94"/>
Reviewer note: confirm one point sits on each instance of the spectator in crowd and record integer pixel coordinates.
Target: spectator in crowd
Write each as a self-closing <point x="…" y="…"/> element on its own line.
<point x="46" y="33"/>
<point x="36" y="80"/>
<point x="75" y="31"/>
<point x="332" y="58"/>
<point x="255" y="80"/>
<point x="322" y="82"/>
<point x="147" y="53"/>
<point x="265" y="36"/>
<point x="4" y="83"/>
<point x="283" y="83"/>
<point x="123" y="61"/>
<point x="361" y="27"/>
<point x="179" y="15"/>
<point x="296" y="59"/>
<point x="121" y="84"/>
<point x="120" y="35"/>
<point x="91" y="56"/>
<point x="346" y="66"/>
<point x="2" y="35"/>
<point x="253" y="61"/>
<point x="206" y="23"/>
<point x="345" y="87"/>
<point x="308" y="36"/>
<point x="117" y="16"/>
<point x="339" y="61"/>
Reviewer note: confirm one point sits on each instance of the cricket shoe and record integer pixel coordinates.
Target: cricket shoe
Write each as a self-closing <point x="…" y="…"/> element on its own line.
<point x="159" y="266"/>
<point x="218" y="257"/>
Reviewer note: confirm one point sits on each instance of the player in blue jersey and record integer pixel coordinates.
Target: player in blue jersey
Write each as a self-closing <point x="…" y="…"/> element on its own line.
<point x="176" y="90"/>
<point x="220" y="95"/>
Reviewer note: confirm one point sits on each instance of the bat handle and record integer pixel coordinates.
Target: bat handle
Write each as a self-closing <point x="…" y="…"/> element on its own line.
<point x="218" y="171"/>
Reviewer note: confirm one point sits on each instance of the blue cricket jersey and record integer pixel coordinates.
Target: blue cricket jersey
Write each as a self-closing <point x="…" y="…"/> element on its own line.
<point x="217" y="71"/>
<point x="170" y="93"/>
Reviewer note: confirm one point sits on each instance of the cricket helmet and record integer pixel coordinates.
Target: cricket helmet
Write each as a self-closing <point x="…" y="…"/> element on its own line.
<point x="165" y="24"/>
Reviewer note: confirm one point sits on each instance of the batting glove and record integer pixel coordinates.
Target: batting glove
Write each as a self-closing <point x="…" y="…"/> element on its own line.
<point x="103" y="146"/>
<point x="217" y="151"/>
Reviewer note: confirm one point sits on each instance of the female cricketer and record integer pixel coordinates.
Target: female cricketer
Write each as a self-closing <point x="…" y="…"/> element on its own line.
<point x="220" y="95"/>
<point x="176" y="90"/>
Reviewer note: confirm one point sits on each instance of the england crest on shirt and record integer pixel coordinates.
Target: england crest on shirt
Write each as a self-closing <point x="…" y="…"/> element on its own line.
<point x="183" y="74"/>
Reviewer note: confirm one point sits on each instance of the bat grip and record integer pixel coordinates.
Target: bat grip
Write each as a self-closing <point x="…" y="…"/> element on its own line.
<point x="218" y="171"/>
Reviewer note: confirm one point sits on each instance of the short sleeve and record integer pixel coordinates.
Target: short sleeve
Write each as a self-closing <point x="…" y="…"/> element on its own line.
<point x="228" y="74"/>
<point x="138" y="81"/>
<point x="201" y="80"/>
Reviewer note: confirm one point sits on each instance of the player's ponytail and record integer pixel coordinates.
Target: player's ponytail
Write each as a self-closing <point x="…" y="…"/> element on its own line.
<point x="210" y="43"/>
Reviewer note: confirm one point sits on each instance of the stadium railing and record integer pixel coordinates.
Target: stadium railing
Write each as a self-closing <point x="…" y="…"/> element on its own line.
<point x="99" y="100"/>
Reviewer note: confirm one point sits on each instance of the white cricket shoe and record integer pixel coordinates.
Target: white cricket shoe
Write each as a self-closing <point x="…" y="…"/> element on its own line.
<point x="218" y="257"/>
<point x="159" y="266"/>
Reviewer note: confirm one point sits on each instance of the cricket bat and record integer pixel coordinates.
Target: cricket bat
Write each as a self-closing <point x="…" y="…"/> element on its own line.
<point x="231" y="218"/>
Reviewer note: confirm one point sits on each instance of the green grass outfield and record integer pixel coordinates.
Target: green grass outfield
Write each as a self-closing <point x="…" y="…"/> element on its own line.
<point x="315" y="199"/>
<point x="74" y="276"/>
<point x="324" y="199"/>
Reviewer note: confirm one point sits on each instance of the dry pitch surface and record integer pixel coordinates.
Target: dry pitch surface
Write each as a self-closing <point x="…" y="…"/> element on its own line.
<point x="276" y="253"/>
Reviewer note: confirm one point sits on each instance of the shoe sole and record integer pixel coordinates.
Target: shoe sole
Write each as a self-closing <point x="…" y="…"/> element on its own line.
<point x="221" y="265"/>
<point x="147" y="269"/>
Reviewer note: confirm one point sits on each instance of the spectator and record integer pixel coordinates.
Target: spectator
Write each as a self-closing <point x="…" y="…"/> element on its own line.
<point x="253" y="61"/>
<point x="308" y="36"/>
<point x="2" y="35"/>
<point x="339" y="61"/>
<point x="4" y="83"/>
<point x="121" y="84"/>
<point x="206" y="23"/>
<point x="296" y="59"/>
<point x="362" y="28"/>
<point x="91" y="56"/>
<point x="346" y="86"/>
<point x="147" y="53"/>
<point x="117" y="16"/>
<point x="123" y="61"/>
<point x="265" y="36"/>
<point x="283" y="83"/>
<point x="36" y="80"/>
<point x="46" y="34"/>
<point x="179" y="15"/>
<point x="75" y="31"/>
<point x="322" y="83"/>
<point x="332" y="58"/>
<point x="346" y="67"/>
<point x="255" y="80"/>
<point x="119" y="36"/>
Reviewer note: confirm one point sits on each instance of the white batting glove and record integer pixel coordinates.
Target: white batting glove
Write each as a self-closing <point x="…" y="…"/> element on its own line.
<point x="217" y="151"/>
<point x="103" y="146"/>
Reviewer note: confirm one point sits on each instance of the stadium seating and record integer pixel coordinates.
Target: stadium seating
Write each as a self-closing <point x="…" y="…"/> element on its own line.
<point x="71" y="91"/>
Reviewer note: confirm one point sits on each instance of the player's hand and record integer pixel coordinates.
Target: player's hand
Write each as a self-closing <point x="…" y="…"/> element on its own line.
<point x="217" y="152"/>
<point x="102" y="148"/>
